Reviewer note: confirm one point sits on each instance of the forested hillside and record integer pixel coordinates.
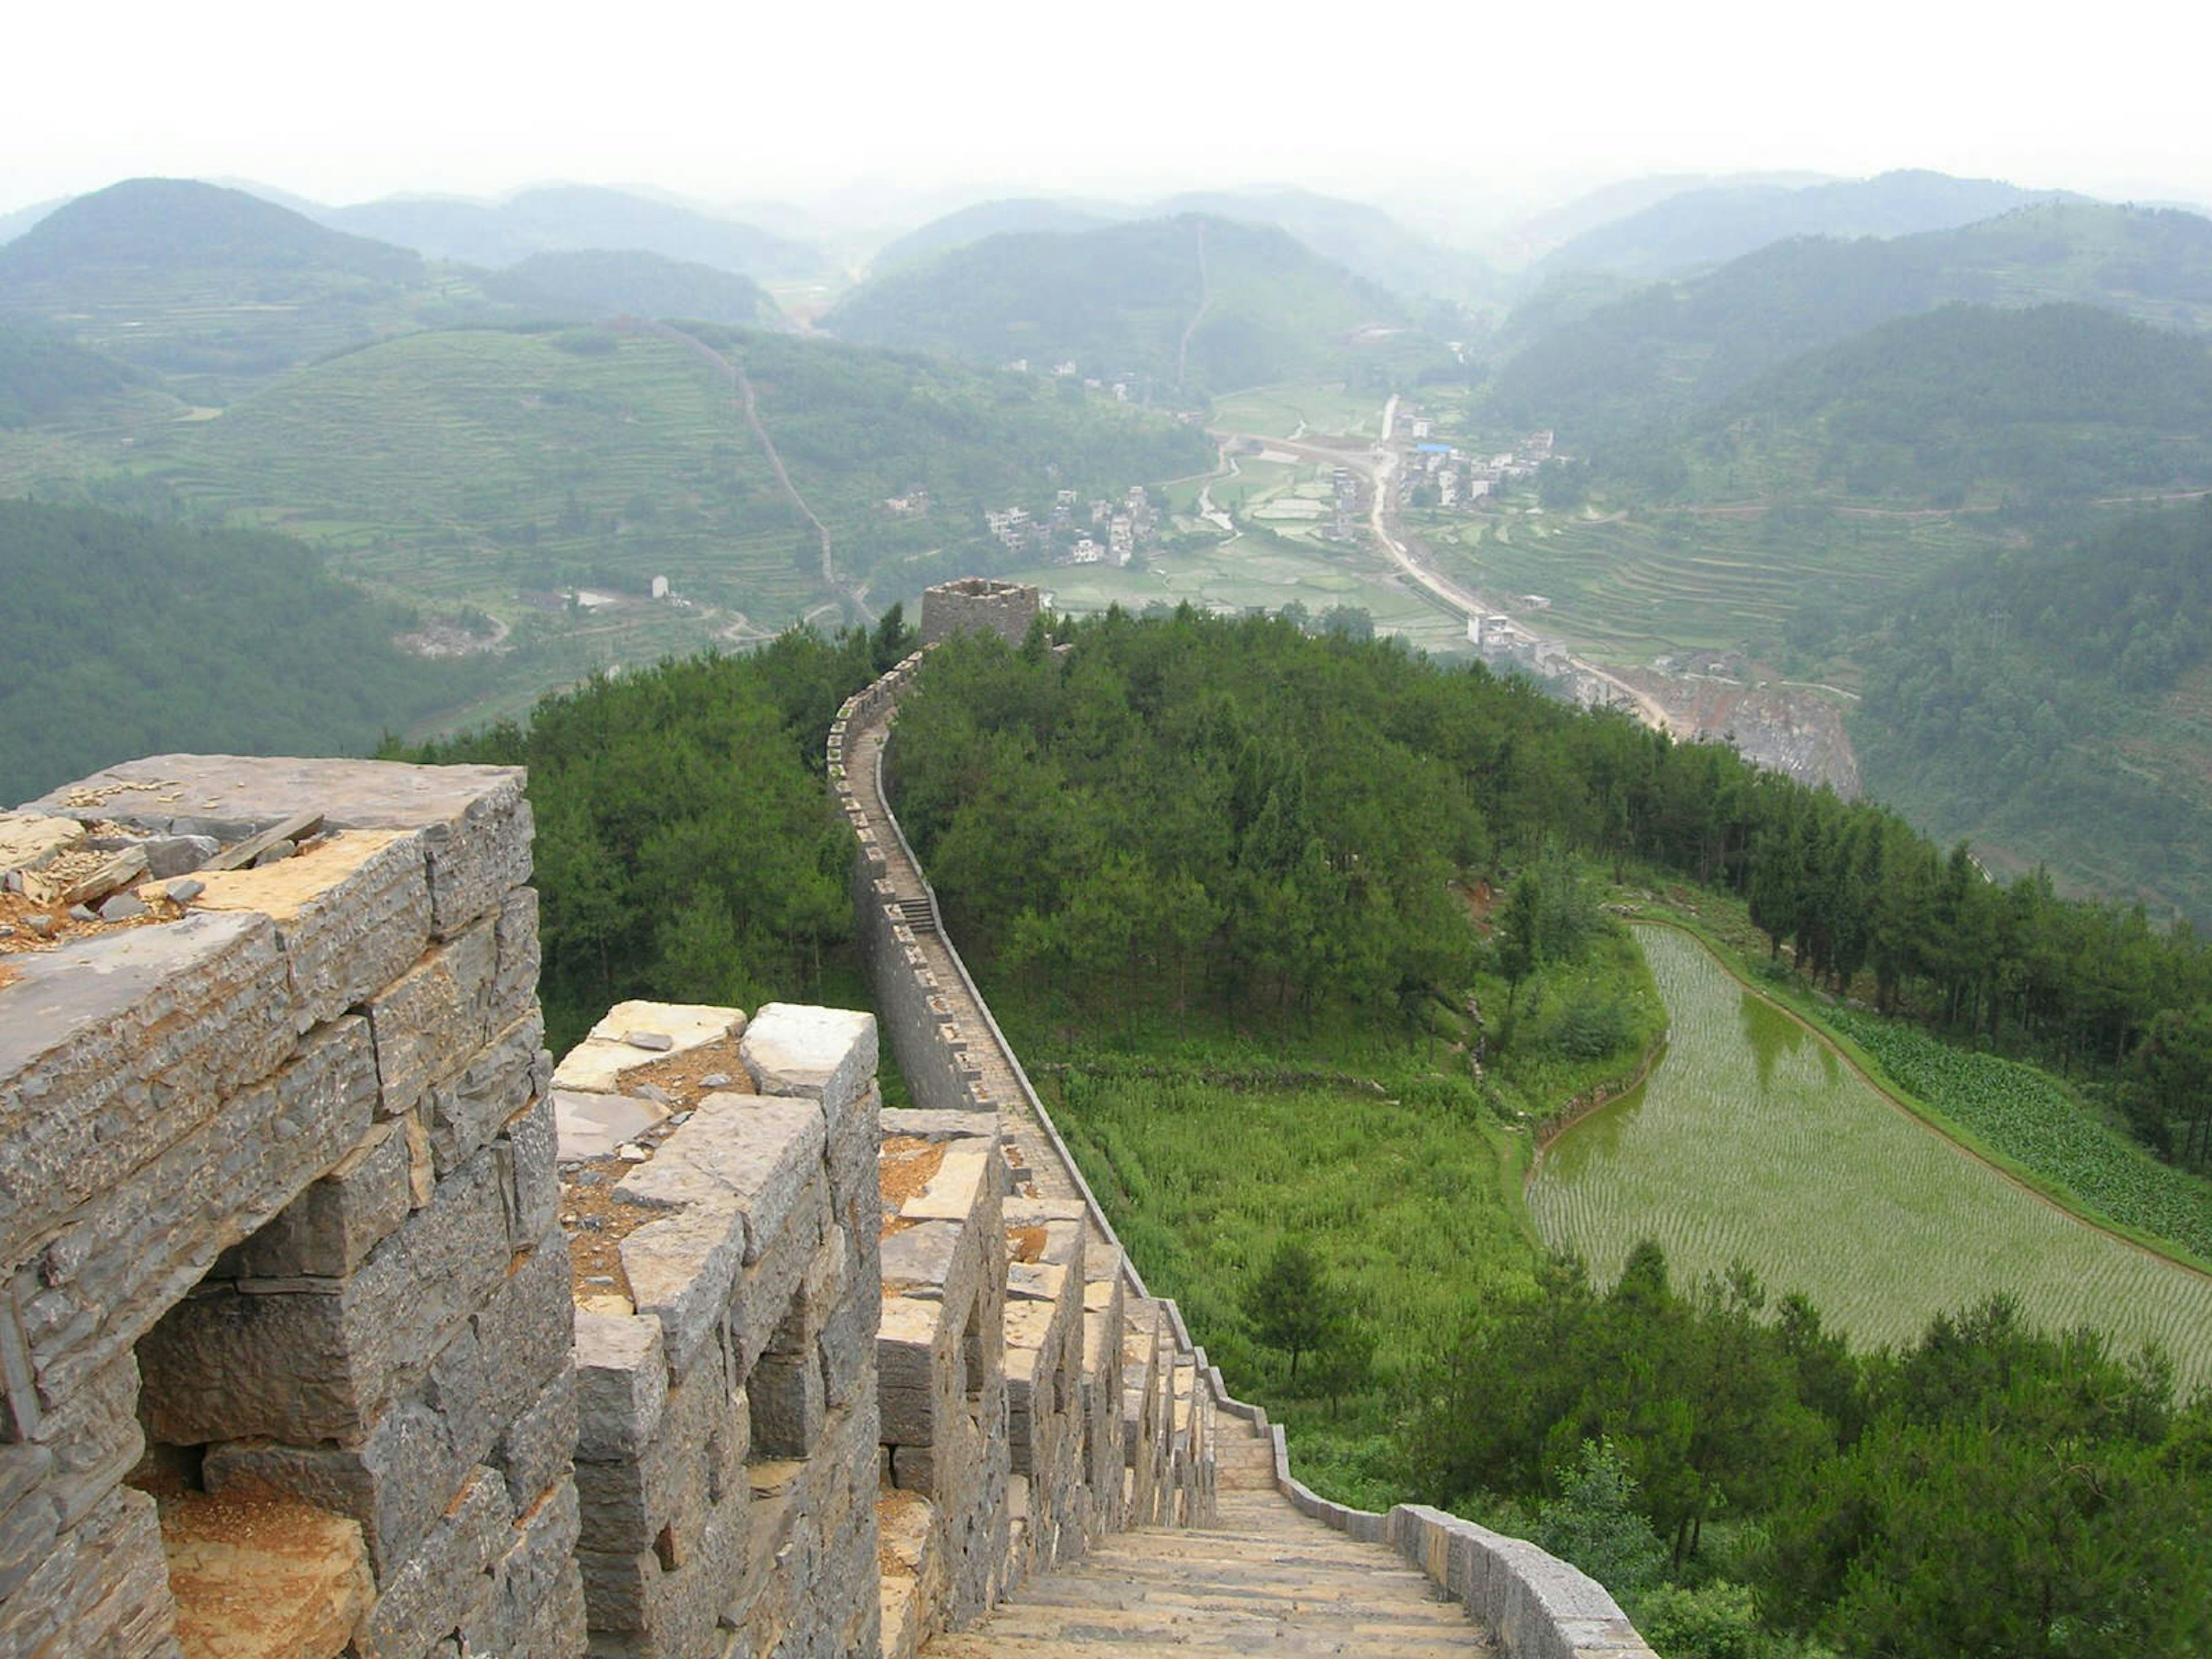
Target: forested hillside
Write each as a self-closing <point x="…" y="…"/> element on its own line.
<point x="1680" y="346"/>
<point x="44" y="377"/>
<point x="1714" y="223"/>
<point x="125" y="637"/>
<point x="1971" y="403"/>
<point x="1256" y="304"/>
<point x="2021" y="702"/>
<point x="594" y="283"/>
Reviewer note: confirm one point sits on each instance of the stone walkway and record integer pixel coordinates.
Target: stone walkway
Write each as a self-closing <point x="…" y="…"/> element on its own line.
<point x="1264" y="1580"/>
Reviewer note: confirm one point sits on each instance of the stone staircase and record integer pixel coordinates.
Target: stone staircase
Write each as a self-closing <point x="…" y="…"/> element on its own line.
<point x="1262" y="1579"/>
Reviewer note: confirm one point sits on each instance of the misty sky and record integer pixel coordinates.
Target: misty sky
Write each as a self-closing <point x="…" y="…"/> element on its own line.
<point x="753" y="100"/>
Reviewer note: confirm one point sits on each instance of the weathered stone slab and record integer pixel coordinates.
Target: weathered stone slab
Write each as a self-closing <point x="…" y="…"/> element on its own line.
<point x="103" y="1588"/>
<point x="594" y="1125"/>
<point x="129" y="1253"/>
<point x="535" y="1451"/>
<point x="538" y="1595"/>
<point x="431" y="1021"/>
<point x="463" y="1112"/>
<point x="827" y="1054"/>
<point x="28" y="841"/>
<point x="342" y="1216"/>
<point x="115" y="1048"/>
<point x="447" y="1580"/>
<point x="349" y="918"/>
<point x="475" y="820"/>
<point x="595" y="1065"/>
<point x="527" y="1151"/>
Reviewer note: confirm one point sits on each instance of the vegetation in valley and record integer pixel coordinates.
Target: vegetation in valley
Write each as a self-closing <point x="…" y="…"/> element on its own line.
<point x="125" y="637"/>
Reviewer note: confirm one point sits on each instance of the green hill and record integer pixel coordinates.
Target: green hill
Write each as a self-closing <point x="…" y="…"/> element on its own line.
<point x="125" y="637"/>
<point x="471" y="467"/>
<point x="1680" y="346"/>
<point x="1197" y="302"/>
<point x="45" y="377"/>
<point x="1718" y="223"/>
<point x="1364" y="239"/>
<point x="191" y="279"/>
<point x="593" y="284"/>
<point x="572" y="218"/>
<point x="1973" y="402"/>
<point x="1016" y="216"/>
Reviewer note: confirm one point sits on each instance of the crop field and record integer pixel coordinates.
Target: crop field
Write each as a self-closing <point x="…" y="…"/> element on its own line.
<point x="2027" y="1117"/>
<point x="1255" y="570"/>
<point x="1277" y="411"/>
<point x="1753" y="1142"/>
<point x="1626" y="588"/>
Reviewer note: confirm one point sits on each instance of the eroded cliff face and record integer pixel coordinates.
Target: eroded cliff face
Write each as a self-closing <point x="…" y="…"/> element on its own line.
<point x="1795" y="730"/>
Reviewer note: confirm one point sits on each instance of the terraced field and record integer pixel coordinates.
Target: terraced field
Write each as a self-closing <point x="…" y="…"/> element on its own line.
<point x="1625" y="589"/>
<point x="1754" y="1141"/>
<point x="456" y="466"/>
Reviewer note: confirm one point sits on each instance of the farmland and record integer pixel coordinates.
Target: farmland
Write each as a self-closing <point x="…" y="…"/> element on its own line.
<point x="1754" y="1141"/>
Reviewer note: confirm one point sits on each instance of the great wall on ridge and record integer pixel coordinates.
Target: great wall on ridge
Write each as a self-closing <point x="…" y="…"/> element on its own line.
<point x="339" y="1320"/>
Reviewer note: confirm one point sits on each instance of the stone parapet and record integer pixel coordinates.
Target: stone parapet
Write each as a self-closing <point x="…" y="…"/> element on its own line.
<point x="277" y="1223"/>
<point x="718" y="1196"/>
<point x="978" y="605"/>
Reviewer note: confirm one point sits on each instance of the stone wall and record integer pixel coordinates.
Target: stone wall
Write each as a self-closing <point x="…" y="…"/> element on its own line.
<point x="285" y="1322"/>
<point x="978" y="605"/>
<point x="719" y="1183"/>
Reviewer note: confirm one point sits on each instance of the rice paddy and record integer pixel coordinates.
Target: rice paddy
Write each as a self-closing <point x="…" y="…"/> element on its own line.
<point x="1754" y="1141"/>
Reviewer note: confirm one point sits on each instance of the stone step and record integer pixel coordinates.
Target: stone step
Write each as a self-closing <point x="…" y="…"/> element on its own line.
<point x="1266" y="1580"/>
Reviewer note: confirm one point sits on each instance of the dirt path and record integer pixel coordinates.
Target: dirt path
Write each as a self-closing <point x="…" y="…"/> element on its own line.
<point x="733" y="375"/>
<point x="1205" y="305"/>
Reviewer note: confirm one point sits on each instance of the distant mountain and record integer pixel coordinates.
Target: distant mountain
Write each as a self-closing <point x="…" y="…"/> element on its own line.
<point x="13" y="224"/>
<point x="1204" y="302"/>
<point x="1364" y="239"/>
<point x="1680" y="346"/>
<point x="1695" y="229"/>
<point x="1528" y="238"/>
<point x="570" y="218"/>
<point x="2044" y="403"/>
<point x="1014" y="215"/>
<point x="45" y="377"/>
<point x="596" y="284"/>
<point x="187" y="277"/>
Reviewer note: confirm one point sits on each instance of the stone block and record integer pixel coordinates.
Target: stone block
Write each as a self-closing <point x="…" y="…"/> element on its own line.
<point x="328" y="1229"/>
<point x="660" y="1500"/>
<point x="447" y="1580"/>
<point x="350" y="917"/>
<point x="397" y="1483"/>
<point x="535" y="1451"/>
<point x="787" y="1405"/>
<point x="526" y="1330"/>
<point x="94" y="1436"/>
<point x="116" y="1047"/>
<point x="102" y="1588"/>
<point x="307" y="1359"/>
<point x="621" y="1385"/>
<point x="131" y="1251"/>
<point x="765" y="1290"/>
<point x="538" y="1595"/>
<point x="827" y="1054"/>
<point x="528" y="1152"/>
<point x="464" y="1112"/>
<point x="741" y="1179"/>
<point x="595" y="1065"/>
<point x="430" y="1021"/>
<point x="514" y="982"/>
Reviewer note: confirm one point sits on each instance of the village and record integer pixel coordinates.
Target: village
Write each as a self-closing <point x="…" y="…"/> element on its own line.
<point x="1074" y="532"/>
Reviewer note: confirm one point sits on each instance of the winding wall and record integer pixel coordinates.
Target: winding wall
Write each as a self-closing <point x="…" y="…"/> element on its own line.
<point x="955" y="1057"/>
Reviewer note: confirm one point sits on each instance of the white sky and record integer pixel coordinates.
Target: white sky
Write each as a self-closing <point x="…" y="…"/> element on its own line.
<point x="1443" y="99"/>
